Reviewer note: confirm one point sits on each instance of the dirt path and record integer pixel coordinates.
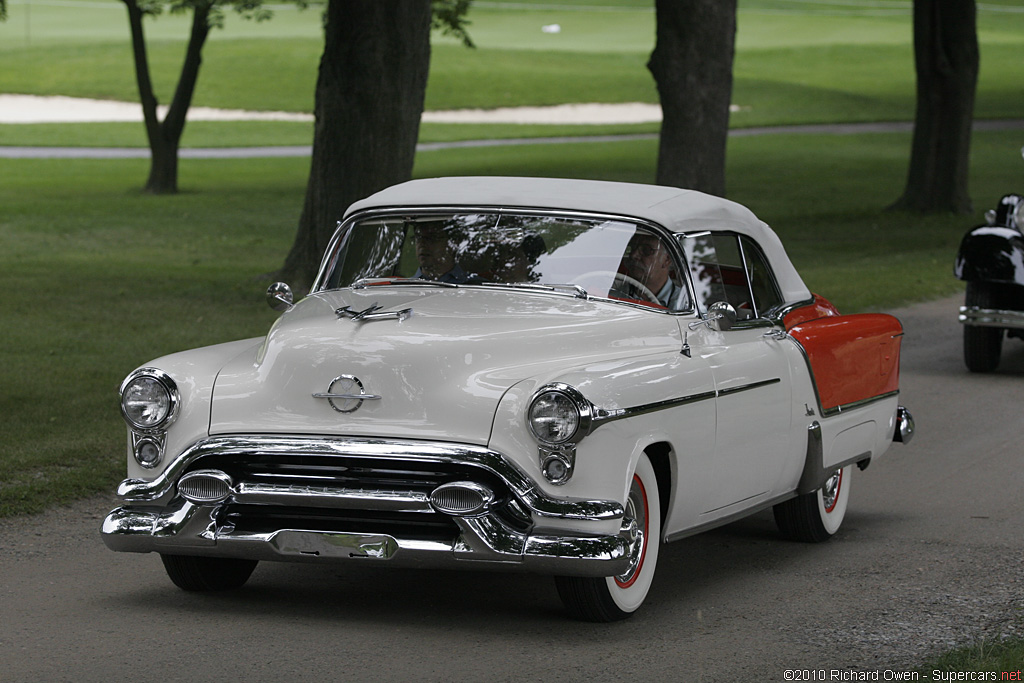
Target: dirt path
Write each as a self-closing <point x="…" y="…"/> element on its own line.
<point x="930" y="556"/>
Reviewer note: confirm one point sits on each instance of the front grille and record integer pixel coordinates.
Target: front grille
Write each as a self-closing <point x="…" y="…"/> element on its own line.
<point x="269" y="518"/>
<point x="352" y="473"/>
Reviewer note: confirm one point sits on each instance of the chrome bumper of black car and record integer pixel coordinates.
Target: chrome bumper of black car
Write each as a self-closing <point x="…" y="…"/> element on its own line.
<point x="407" y="503"/>
<point x="988" y="317"/>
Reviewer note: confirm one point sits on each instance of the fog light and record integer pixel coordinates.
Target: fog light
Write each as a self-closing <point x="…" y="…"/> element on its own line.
<point x="557" y="468"/>
<point x="148" y="452"/>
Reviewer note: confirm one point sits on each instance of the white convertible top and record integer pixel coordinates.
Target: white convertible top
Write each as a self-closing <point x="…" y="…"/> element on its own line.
<point x="675" y="209"/>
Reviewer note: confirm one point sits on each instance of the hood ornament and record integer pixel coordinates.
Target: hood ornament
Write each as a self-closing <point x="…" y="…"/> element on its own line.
<point x="348" y="391"/>
<point x="371" y="313"/>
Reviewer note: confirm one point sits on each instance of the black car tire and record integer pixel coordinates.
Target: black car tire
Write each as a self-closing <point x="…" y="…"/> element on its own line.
<point x="207" y="573"/>
<point x="982" y="345"/>
<point x="813" y="517"/>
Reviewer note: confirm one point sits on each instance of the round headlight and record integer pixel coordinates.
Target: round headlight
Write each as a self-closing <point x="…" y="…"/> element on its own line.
<point x="148" y="399"/>
<point x="556" y="415"/>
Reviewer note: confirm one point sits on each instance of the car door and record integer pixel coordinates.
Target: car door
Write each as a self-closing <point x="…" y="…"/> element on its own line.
<point x="750" y="363"/>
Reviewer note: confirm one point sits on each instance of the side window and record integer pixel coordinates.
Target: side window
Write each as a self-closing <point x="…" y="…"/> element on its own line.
<point x="727" y="267"/>
<point x="718" y="273"/>
<point x="762" y="280"/>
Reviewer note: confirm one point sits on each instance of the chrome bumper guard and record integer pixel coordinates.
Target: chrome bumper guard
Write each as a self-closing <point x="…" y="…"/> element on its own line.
<point x="156" y="518"/>
<point x="904" y="426"/>
<point x="989" y="317"/>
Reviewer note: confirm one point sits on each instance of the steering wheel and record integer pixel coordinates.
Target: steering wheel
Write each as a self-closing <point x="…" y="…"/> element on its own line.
<point x="628" y="287"/>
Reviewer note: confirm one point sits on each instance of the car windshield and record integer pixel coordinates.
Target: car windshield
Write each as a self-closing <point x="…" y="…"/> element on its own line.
<point x="606" y="258"/>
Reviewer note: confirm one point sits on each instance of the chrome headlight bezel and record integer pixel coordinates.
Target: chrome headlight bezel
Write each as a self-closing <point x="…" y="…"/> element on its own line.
<point x="167" y="396"/>
<point x="578" y="411"/>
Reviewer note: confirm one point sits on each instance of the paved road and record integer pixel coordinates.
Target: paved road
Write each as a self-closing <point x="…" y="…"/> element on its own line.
<point x="930" y="554"/>
<point x="13" y="152"/>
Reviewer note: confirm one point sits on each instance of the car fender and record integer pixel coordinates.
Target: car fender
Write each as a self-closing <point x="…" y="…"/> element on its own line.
<point x="991" y="254"/>
<point x="194" y="372"/>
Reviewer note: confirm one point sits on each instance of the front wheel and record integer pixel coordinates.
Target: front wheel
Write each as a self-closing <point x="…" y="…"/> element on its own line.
<point x="982" y="345"/>
<point x="207" y="573"/>
<point x="814" y="517"/>
<point x="616" y="597"/>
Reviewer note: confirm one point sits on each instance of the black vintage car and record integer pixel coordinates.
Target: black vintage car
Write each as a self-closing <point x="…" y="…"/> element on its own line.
<point x="991" y="261"/>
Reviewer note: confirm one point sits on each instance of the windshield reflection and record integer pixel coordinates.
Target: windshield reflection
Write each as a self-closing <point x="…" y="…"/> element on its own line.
<point x="483" y="248"/>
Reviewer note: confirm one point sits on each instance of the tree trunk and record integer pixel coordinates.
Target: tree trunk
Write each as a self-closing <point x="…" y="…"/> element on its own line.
<point x="946" y="59"/>
<point x="692" y="67"/>
<point x="165" y="137"/>
<point x="369" y="99"/>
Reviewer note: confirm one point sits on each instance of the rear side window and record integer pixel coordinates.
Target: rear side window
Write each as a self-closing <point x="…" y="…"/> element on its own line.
<point x="728" y="267"/>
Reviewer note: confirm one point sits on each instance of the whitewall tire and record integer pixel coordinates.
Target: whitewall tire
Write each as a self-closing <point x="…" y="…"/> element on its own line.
<point x="617" y="597"/>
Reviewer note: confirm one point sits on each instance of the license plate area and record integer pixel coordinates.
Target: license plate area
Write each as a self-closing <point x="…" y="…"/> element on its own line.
<point x="334" y="545"/>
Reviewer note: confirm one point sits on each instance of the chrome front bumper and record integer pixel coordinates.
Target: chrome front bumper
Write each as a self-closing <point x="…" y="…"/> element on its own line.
<point x="156" y="518"/>
<point x="989" y="317"/>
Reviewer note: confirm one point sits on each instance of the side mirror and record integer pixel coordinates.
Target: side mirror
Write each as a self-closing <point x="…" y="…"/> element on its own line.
<point x="721" y="316"/>
<point x="280" y="297"/>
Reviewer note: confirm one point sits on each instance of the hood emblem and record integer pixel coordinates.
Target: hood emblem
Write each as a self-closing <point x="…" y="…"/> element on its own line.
<point x="372" y="313"/>
<point x="346" y="394"/>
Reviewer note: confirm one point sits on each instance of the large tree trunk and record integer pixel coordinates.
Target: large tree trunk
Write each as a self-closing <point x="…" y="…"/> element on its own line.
<point x="946" y="58"/>
<point x="165" y="137"/>
<point x="369" y="100"/>
<point x="692" y="66"/>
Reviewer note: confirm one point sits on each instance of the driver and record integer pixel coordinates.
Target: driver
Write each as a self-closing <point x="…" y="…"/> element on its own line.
<point x="650" y="263"/>
<point x="436" y="255"/>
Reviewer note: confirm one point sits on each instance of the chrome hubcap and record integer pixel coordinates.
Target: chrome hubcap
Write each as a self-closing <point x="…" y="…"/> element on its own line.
<point x="830" y="491"/>
<point x="634" y="522"/>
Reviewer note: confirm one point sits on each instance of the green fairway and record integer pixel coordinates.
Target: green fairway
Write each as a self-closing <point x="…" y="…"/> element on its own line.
<point x="796" y="62"/>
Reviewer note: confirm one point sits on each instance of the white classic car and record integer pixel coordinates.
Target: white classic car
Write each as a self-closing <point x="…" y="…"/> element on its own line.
<point x="517" y="374"/>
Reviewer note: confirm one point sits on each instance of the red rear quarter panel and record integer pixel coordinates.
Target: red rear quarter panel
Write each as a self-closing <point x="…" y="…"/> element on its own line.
<point x="852" y="357"/>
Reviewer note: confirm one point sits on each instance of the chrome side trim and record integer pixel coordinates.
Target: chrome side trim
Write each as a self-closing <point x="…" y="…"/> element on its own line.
<point x="990" y="317"/>
<point x="522" y="486"/>
<point x="858" y="404"/>
<point x="603" y="416"/>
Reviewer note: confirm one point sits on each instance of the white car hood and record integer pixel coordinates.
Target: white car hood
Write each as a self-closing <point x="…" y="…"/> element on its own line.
<point x="440" y="372"/>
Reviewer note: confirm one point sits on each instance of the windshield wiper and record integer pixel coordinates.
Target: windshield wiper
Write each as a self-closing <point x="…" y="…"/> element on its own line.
<point x="576" y="290"/>
<point x="365" y="282"/>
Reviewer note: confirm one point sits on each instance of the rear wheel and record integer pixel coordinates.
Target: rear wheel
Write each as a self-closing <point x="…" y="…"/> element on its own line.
<point x="814" y="517"/>
<point x="982" y="345"/>
<point x="207" y="573"/>
<point x="616" y="597"/>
